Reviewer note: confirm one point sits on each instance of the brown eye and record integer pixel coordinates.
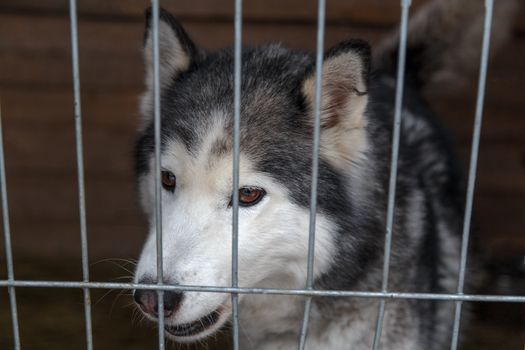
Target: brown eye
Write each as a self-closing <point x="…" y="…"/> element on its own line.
<point x="249" y="196"/>
<point x="169" y="181"/>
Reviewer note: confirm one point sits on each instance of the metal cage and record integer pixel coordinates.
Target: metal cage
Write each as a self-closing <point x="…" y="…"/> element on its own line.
<point x="383" y="295"/>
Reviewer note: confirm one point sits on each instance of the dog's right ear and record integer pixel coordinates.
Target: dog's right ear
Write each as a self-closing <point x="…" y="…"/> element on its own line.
<point x="176" y="50"/>
<point x="177" y="53"/>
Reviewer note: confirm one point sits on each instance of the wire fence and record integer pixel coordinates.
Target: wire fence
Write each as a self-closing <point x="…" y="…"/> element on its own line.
<point x="86" y="285"/>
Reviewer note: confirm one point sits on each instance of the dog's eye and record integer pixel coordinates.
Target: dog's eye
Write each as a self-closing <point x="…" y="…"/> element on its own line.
<point x="250" y="195"/>
<point x="169" y="181"/>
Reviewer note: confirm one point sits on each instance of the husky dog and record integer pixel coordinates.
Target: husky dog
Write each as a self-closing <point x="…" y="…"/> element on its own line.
<point x="277" y="118"/>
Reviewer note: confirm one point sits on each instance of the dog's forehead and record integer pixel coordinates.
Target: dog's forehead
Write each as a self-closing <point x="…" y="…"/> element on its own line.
<point x="210" y="161"/>
<point x="270" y="88"/>
<point x="271" y="114"/>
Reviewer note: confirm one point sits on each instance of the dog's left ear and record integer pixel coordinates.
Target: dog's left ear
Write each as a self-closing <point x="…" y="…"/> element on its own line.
<point x="343" y="101"/>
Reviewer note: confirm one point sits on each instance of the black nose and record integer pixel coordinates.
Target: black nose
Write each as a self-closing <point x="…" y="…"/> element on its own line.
<point x="149" y="303"/>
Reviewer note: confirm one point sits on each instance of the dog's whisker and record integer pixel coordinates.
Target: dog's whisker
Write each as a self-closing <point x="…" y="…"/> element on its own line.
<point x="116" y="260"/>
<point x="103" y="296"/>
<point x="123" y="292"/>
<point x="129" y="278"/>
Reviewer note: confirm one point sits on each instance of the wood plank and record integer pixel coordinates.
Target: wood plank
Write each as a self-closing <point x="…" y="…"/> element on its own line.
<point x="35" y="52"/>
<point x="41" y="152"/>
<point x="61" y="240"/>
<point x="371" y="12"/>
<point x="503" y="122"/>
<point x="498" y="224"/>
<point x="503" y="116"/>
<point x="37" y="147"/>
<point x="101" y="109"/>
<point x="496" y="227"/>
<point x="501" y="169"/>
<point x="46" y="198"/>
<point x="52" y="34"/>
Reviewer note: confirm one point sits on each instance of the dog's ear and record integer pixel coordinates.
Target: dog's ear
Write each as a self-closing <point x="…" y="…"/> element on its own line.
<point x="344" y="99"/>
<point x="176" y="50"/>
<point x="177" y="53"/>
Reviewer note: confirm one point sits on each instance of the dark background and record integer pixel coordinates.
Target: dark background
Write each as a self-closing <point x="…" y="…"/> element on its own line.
<point x="37" y="112"/>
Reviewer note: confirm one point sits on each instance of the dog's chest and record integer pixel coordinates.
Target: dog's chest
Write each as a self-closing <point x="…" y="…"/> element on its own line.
<point x="274" y="322"/>
<point x="264" y="316"/>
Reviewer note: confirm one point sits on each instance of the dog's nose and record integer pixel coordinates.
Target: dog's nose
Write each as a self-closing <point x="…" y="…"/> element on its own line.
<point x="148" y="301"/>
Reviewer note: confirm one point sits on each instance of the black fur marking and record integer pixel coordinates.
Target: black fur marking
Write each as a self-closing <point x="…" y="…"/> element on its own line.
<point x="144" y="148"/>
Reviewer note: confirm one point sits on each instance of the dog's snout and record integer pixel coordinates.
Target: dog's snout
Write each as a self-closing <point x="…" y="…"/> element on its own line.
<point x="172" y="301"/>
<point x="148" y="301"/>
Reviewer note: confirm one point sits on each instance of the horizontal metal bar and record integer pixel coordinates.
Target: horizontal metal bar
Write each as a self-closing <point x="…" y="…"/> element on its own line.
<point x="268" y="291"/>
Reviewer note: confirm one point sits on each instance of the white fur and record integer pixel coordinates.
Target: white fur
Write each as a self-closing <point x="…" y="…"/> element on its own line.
<point x="281" y="318"/>
<point x="197" y="230"/>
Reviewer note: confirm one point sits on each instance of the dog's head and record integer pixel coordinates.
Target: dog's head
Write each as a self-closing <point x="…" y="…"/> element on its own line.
<point x="277" y="119"/>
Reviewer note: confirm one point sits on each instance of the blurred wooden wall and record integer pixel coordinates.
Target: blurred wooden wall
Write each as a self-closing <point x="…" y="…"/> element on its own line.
<point x="37" y="111"/>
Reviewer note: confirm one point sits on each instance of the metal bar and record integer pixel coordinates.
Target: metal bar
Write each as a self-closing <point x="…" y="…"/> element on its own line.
<point x="489" y="4"/>
<point x="268" y="291"/>
<point x="315" y="168"/>
<point x="306" y="319"/>
<point x="235" y="175"/>
<point x="80" y="171"/>
<point x="7" y="242"/>
<point x="405" y="7"/>
<point x="157" y="172"/>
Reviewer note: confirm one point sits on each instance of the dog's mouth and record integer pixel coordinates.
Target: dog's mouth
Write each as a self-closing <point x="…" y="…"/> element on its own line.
<point x="195" y="327"/>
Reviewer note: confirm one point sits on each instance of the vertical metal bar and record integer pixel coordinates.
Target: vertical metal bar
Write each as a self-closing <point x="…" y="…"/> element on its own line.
<point x="236" y="160"/>
<point x="157" y="173"/>
<point x="80" y="171"/>
<point x="321" y="6"/>
<point x="489" y="4"/>
<point x="405" y="7"/>
<point x="7" y="242"/>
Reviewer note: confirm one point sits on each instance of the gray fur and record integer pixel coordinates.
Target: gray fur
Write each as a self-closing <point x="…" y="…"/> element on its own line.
<point x="276" y="133"/>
